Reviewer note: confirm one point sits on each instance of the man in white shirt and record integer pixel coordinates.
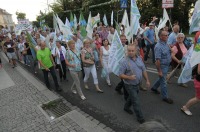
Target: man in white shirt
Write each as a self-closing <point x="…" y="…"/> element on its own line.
<point x="110" y="35"/>
<point x="78" y="42"/>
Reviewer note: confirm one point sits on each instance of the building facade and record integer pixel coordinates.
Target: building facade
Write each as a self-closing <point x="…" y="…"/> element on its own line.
<point x="6" y="20"/>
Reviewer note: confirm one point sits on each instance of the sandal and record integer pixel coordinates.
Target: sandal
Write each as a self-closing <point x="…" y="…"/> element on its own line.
<point x="187" y="112"/>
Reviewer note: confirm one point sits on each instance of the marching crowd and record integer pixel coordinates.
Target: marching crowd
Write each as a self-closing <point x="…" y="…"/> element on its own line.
<point x="85" y="56"/>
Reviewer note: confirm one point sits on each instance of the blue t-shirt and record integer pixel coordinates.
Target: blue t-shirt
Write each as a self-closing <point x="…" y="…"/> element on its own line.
<point x="150" y="34"/>
<point x="129" y="67"/>
<point x="163" y="53"/>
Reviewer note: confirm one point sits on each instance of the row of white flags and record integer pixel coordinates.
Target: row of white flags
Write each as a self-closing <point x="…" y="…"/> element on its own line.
<point x="117" y="50"/>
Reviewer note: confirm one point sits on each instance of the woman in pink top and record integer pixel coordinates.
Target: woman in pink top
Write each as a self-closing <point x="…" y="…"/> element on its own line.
<point x="178" y="51"/>
<point x="98" y="42"/>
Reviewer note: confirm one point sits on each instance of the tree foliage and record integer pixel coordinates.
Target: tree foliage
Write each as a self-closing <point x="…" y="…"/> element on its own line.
<point x="21" y="15"/>
<point x="147" y="8"/>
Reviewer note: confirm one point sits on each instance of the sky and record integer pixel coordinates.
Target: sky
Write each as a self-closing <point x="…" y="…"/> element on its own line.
<point x="30" y="7"/>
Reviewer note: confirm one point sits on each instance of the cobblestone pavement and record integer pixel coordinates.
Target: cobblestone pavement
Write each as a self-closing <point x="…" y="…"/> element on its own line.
<point x="19" y="111"/>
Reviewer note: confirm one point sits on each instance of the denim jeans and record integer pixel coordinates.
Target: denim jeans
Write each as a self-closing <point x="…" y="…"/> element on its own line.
<point x="148" y="47"/>
<point x="53" y="74"/>
<point x="161" y="81"/>
<point x="119" y="87"/>
<point x="28" y="59"/>
<point x="133" y="99"/>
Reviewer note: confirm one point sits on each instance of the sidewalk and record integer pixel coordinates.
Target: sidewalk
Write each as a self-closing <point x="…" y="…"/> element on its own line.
<point x="21" y="96"/>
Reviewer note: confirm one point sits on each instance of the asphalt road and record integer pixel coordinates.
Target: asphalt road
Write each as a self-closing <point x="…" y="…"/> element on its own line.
<point x="108" y="106"/>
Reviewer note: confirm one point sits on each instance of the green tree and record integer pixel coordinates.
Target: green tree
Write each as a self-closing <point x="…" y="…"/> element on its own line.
<point x="21" y="15"/>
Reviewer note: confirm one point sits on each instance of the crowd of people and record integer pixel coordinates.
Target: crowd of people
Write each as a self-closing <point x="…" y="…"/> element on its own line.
<point x="84" y="56"/>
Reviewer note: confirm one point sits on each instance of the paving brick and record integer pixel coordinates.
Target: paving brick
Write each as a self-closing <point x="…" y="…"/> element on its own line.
<point x="20" y="112"/>
<point x="102" y="125"/>
<point x="108" y="129"/>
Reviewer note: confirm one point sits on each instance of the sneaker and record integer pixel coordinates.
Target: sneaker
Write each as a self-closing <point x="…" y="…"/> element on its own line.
<point x="58" y="89"/>
<point x="155" y="91"/>
<point x="128" y="111"/>
<point x="168" y="100"/>
<point x="186" y="111"/>
<point x="119" y="91"/>
<point x="99" y="91"/>
<point x="74" y="92"/>
<point x="83" y="97"/>
<point x="183" y="85"/>
<point x="143" y="88"/>
<point x="86" y="86"/>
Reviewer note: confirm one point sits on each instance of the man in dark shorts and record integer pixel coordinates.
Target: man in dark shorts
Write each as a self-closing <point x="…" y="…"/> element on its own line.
<point x="9" y="47"/>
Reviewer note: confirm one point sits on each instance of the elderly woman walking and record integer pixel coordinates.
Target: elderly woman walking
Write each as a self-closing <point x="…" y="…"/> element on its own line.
<point x="88" y="64"/>
<point x="73" y="61"/>
<point x="178" y="52"/>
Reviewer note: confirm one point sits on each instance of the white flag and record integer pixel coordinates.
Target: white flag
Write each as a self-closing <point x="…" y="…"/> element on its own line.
<point x="55" y="25"/>
<point x="92" y="21"/>
<point x="89" y="27"/>
<point x="164" y="20"/>
<point x="195" y="22"/>
<point x="186" y="73"/>
<point x="112" y="18"/>
<point x="75" y="22"/>
<point x="125" y="22"/>
<point x="66" y="30"/>
<point x="116" y="54"/>
<point x="67" y="23"/>
<point x="105" y="20"/>
<point x="135" y="16"/>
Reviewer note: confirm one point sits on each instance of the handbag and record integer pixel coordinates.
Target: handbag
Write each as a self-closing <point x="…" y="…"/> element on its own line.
<point x="88" y="64"/>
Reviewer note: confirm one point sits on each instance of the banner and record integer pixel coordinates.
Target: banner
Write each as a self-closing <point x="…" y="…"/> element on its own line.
<point x="23" y="25"/>
<point x="116" y="54"/>
<point x="186" y="73"/>
<point x="135" y="16"/>
<point x="195" y="22"/>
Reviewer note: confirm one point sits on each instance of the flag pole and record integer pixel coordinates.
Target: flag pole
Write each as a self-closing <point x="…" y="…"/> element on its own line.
<point x="170" y="18"/>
